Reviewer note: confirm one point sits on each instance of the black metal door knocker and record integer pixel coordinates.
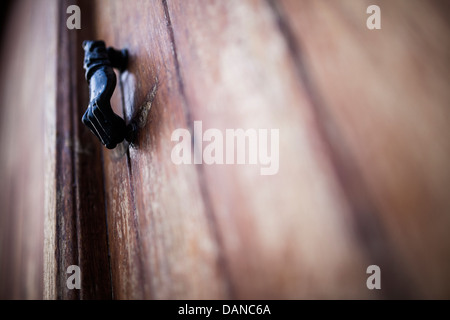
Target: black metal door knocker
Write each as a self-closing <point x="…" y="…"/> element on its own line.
<point x="99" y="117"/>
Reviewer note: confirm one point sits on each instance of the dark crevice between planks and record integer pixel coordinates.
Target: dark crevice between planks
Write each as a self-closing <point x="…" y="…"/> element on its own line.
<point x="74" y="133"/>
<point x="133" y="197"/>
<point x="210" y="215"/>
<point x="367" y="227"/>
<point x="136" y="223"/>
<point x="142" y="280"/>
<point x="93" y="244"/>
<point x="66" y="247"/>
<point x="106" y="224"/>
<point x="135" y="219"/>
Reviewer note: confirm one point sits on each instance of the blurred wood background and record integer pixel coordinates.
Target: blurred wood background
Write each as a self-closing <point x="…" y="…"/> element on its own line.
<point x="363" y="177"/>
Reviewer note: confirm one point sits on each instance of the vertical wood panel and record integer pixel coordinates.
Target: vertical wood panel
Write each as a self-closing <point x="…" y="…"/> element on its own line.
<point x="363" y="174"/>
<point x="286" y="235"/>
<point x="90" y="197"/>
<point x="335" y="206"/>
<point x="26" y="99"/>
<point x="156" y="206"/>
<point x="76" y="229"/>
<point x="384" y="98"/>
<point x="125" y="252"/>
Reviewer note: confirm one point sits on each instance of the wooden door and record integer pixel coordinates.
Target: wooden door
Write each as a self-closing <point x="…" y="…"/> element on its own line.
<point x="361" y="118"/>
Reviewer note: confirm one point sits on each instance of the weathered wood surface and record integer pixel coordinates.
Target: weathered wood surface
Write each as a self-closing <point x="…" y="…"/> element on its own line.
<point x="363" y="146"/>
<point x="384" y="100"/>
<point x="78" y="215"/>
<point x="27" y="96"/>
<point x="51" y="182"/>
<point x="149" y="198"/>
<point x="363" y="175"/>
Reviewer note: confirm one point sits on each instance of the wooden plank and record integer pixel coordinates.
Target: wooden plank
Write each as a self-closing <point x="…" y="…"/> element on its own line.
<point x="362" y="117"/>
<point x="383" y="96"/>
<point x="22" y="158"/>
<point x="90" y="197"/>
<point x="160" y="234"/>
<point x="76" y="227"/>
<point x="27" y="95"/>
<point x="238" y="73"/>
<point x="124" y="245"/>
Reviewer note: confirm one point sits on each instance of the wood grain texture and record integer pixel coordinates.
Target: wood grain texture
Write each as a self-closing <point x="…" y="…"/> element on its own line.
<point x="384" y="97"/>
<point x="346" y="196"/>
<point x="28" y="89"/>
<point x="239" y="74"/>
<point x="160" y="234"/>
<point x="76" y="231"/>
<point x="363" y="174"/>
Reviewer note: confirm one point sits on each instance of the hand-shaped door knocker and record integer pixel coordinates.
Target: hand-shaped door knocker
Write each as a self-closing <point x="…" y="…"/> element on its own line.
<point x="99" y="117"/>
